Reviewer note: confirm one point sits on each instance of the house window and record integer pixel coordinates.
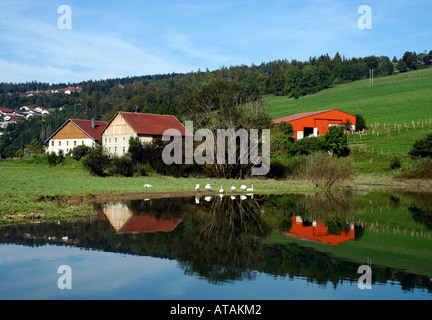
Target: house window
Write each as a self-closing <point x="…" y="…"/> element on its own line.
<point x="109" y="140"/>
<point x="59" y="143"/>
<point x="52" y="143"/>
<point x="115" y="149"/>
<point x="115" y="140"/>
<point x="124" y="139"/>
<point x="83" y="142"/>
<point x="74" y="143"/>
<point x="124" y="149"/>
<point x="105" y="140"/>
<point x="67" y="143"/>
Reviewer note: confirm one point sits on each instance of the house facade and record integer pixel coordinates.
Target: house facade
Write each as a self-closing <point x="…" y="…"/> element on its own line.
<point x="313" y="124"/>
<point x="75" y="132"/>
<point x="146" y="127"/>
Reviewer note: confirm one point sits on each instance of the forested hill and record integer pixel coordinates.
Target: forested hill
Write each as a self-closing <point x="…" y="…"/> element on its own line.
<point x="164" y="94"/>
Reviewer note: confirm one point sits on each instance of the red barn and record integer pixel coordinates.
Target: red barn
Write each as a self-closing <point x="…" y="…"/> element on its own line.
<point x="313" y="124"/>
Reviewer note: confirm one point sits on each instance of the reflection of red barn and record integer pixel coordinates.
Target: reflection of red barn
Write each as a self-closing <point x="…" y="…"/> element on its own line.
<point x="318" y="232"/>
<point x="316" y="123"/>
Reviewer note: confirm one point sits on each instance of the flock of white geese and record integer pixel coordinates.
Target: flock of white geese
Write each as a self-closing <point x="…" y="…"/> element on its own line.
<point x="209" y="187"/>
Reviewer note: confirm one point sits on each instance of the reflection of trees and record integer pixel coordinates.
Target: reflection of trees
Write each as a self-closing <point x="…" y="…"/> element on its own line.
<point x="214" y="242"/>
<point x="420" y="207"/>
<point x="224" y="234"/>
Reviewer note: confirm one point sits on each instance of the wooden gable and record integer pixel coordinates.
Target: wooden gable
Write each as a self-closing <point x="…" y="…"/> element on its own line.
<point x="70" y="131"/>
<point x="118" y="126"/>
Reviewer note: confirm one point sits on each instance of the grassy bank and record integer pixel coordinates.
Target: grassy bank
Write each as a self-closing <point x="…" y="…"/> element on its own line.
<point x="32" y="190"/>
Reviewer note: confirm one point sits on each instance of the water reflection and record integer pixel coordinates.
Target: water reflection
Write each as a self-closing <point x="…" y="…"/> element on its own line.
<point x="226" y="239"/>
<point x="124" y="220"/>
<point x="317" y="231"/>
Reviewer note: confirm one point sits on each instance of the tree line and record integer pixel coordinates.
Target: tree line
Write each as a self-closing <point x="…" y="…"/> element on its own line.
<point x="169" y="93"/>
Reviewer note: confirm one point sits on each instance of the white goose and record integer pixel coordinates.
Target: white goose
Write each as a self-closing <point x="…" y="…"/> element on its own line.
<point x="250" y="189"/>
<point x="148" y="186"/>
<point x="208" y="186"/>
<point x="221" y="190"/>
<point x="243" y="187"/>
<point x="197" y="187"/>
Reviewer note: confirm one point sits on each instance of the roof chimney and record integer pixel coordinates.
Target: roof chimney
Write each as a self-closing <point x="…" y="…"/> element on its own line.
<point x="93" y="123"/>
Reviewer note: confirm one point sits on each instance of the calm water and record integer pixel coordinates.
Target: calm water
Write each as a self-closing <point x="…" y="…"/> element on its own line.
<point x="275" y="247"/>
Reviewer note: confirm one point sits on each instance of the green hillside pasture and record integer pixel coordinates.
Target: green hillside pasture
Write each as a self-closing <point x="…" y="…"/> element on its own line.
<point x="372" y="152"/>
<point x="399" y="98"/>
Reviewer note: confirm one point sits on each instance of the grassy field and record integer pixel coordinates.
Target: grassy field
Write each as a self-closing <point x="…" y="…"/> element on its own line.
<point x="399" y="98"/>
<point x="397" y="110"/>
<point x="32" y="190"/>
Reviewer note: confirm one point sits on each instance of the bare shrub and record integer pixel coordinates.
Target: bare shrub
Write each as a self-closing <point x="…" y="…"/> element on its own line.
<point x="326" y="171"/>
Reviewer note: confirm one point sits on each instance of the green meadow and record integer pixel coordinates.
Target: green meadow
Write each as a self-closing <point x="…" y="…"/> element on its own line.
<point x="397" y="110"/>
<point x="396" y="99"/>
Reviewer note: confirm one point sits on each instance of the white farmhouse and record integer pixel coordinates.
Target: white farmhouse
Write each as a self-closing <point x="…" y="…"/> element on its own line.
<point x="75" y="132"/>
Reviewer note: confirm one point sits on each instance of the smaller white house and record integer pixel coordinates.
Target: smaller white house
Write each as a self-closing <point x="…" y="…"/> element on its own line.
<point x="75" y="132"/>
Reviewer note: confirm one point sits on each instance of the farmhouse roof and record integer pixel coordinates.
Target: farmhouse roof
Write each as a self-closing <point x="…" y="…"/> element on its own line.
<point x="87" y="127"/>
<point x="153" y="124"/>
<point x="298" y="116"/>
<point x="302" y="115"/>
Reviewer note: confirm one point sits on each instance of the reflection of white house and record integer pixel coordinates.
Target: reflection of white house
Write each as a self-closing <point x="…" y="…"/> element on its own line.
<point x="75" y="132"/>
<point x="123" y="220"/>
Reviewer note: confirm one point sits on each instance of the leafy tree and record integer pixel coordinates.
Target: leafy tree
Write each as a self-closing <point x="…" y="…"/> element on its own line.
<point x="96" y="161"/>
<point x="402" y="66"/>
<point x="34" y="148"/>
<point x="293" y="76"/>
<point x="80" y="151"/>
<point x="422" y="147"/>
<point x="410" y="58"/>
<point x="360" y="123"/>
<point x="336" y="141"/>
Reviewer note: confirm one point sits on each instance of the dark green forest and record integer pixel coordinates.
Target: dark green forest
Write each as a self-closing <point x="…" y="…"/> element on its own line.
<point x="170" y="93"/>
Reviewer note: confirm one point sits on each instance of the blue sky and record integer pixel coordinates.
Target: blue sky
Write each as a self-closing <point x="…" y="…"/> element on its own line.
<point x="111" y="39"/>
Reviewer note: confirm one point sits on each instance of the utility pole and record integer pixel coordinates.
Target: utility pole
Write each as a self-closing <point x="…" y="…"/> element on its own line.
<point x="371" y="76"/>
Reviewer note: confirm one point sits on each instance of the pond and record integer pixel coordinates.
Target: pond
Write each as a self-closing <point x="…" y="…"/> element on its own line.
<point x="374" y="245"/>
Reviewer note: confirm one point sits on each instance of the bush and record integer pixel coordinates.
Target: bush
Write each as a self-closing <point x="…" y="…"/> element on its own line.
<point x="422" y="148"/>
<point x="395" y="163"/>
<point x="96" y="161"/>
<point x="420" y="170"/>
<point x="55" y="159"/>
<point x="80" y="151"/>
<point x="360" y="123"/>
<point x="336" y="141"/>
<point x="306" y="146"/>
<point x="277" y="169"/>
<point x="326" y="171"/>
<point x="121" y="166"/>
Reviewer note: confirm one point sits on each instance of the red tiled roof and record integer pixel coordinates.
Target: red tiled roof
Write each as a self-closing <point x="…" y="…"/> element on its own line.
<point x="86" y="126"/>
<point x="153" y="124"/>
<point x="298" y="116"/>
<point x="6" y="110"/>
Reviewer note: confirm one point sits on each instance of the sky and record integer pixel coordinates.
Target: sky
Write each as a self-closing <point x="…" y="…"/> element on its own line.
<point x="96" y="40"/>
